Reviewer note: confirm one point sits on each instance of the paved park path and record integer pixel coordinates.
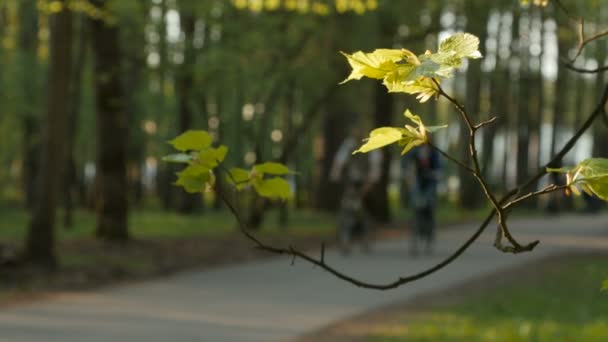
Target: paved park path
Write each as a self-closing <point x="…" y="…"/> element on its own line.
<point x="272" y="300"/>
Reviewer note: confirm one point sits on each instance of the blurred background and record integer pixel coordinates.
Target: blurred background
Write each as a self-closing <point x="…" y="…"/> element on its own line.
<point x="108" y="83"/>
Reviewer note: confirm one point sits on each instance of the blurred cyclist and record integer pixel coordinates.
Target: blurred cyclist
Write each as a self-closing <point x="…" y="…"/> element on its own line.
<point x="358" y="173"/>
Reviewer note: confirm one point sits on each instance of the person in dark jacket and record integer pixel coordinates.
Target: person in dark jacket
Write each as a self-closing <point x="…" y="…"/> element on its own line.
<point x="422" y="170"/>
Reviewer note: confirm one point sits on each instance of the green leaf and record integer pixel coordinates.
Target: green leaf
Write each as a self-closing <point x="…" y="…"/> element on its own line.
<point x="178" y="158"/>
<point x="381" y="137"/>
<point x="377" y="64"/>
<point x="271" y="168"/>
<point x="273" y="188"/>
<point x="605" y="285"/>
<point x="194" y="178"/>
<point x="212" y="157"/>
<point x="192" y="140"/>
<point x="238" y="177"/>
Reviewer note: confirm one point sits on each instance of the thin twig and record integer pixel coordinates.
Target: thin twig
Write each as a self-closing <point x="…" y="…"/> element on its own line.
<point x="452" y="159"/>
<point x="322" y="264"/>
<point x="484" y="123"/>
<point x="502" y="224"/>
<point x="586" y="71"/>
<point x="546" y="190"/>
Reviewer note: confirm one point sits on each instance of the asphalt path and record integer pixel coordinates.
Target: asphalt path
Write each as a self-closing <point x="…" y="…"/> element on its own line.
<point x="273" y="300"/>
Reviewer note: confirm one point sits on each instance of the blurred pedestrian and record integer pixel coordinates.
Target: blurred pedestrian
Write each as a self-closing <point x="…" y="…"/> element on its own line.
<point x="422" y="170"/>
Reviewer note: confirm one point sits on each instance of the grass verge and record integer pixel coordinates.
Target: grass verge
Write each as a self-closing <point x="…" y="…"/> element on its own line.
<point x="554" y="299"/>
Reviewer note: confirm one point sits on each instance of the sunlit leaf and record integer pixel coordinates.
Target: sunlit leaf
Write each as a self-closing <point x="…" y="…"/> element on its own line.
<point x="458" y="46"/>
<point x="424" y="87"/>
<point x="590" y="175"/>
<point x="377" y="64"/>
<point x="381" y="137"/>
<point x="192" y="141"/>
<point x="402" y="71"/>
<point x="408" y="136"/>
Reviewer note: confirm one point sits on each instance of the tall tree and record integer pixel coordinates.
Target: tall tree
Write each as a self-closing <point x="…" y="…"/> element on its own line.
<point x="40" y="238"/>
<point x="112" y="130"/>
<point x="28" y="46"/>
<point x="71" y="174"/>
<point x="185" y="87"/>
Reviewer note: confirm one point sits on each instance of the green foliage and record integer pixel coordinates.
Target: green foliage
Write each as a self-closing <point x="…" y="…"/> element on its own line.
<point x="404" y="72"/>
<point x="202" y="160"/>
<point x="590" y="175"/>
<point x="272" y="187"/>
<point x="272" y="169"/>
<point x="540" y="3"/>
<point x="409" y="137"/>
<point x="192" y="140"/>
<point x="316" y="7"/>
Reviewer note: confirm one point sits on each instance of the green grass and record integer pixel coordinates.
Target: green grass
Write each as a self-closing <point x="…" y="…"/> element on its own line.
<point x="160" y="224"/>
<point x="152" y="223"/>
<point x="561" y="302"/>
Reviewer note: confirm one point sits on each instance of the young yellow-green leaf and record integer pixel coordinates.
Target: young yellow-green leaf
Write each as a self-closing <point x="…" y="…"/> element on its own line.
<point x="271" y="168"/>
<point x="238" y="177"/>
<point x="194" y="178"/>
<point x="377" y="64"/>
<point x="178" y="158"/>
<point x="539" y="3"/>
<point x="273" y="188"/>
<point x="410" y="144"/>
<point x="381" y="137"/>
<point x="458" y="46"/>
<point x="211" y="157"/>
<point x="409" y="136"/>
<point x="422" y="128"/>
<point x="424" y="87"/>
<point x="591" y="175"/>
<point x="192" y="140"/>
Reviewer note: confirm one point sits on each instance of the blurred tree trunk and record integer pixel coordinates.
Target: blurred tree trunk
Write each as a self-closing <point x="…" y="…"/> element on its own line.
<point x="40" y="241"/>
<point x="136" y="79"/>
<point x="112" y="131"/>
<point x="334" y="133"/>
<point x="187" y="203"/>
<point x="536" y="105"/>
<point x="556" y="200"/>
<point x="470" y="194"/>
<point x="600" y="131"/>
<point x="28" y="46"/>
<point x="523" y="109"/>
<point x="167" y="192"/>
<point x="71" y="173"/>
